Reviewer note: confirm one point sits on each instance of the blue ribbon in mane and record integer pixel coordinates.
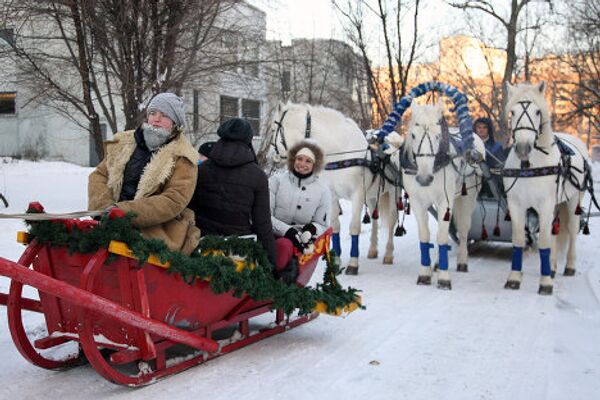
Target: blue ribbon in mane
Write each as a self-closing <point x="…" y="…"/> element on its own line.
<point x="460" y="107"/>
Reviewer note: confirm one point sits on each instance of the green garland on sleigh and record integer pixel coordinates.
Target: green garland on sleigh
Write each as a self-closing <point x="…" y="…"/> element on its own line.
<point x="259" y="283"/>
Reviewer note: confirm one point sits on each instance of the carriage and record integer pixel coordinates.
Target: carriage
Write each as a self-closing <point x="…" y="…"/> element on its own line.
<point x="136" y="323"/>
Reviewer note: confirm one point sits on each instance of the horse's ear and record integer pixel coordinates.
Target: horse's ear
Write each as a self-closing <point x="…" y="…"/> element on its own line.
<point x="542" y="87"/>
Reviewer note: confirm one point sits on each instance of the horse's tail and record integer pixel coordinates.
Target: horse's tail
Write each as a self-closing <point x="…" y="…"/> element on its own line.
<point x="562" y="239"/>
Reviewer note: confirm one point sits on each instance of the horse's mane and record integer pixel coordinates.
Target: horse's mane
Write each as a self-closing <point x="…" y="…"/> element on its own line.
<point x="320" y="112"/>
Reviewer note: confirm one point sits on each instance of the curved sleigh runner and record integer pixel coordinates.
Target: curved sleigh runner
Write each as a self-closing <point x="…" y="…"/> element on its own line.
<point x="138" y="323"/>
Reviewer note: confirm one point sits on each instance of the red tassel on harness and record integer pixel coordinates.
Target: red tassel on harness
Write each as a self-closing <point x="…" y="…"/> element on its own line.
<point x="400" y="205"/>
<point x="507" y="216"/>
<point x="375" y="213"/>
<point x="406" y="195"/>
<point x="578" y="210"/>
<point x="496" y="230"/>
<point x="366" y="219"/>
<point x="447" y="215"/>
<point x="463" y="190"/>
<point x="586" y="229"/>
<point x="556" y="226"/>
<point x="484" y="233"/>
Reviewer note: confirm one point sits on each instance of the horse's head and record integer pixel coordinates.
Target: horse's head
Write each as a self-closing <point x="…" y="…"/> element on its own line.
<point x="424" y="139"/>
<point x="529" y="118"/>
<point x="289" y="125"/>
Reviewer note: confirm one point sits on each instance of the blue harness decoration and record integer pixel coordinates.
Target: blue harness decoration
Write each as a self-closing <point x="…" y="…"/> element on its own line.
<point x="460" y="107"/>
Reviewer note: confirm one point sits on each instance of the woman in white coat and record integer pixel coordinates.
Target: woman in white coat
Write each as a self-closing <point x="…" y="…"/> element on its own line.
<point x="300" y="205"/>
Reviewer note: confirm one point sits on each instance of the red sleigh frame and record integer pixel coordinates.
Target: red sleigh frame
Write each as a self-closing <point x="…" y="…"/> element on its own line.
<point x="138" y="313"/>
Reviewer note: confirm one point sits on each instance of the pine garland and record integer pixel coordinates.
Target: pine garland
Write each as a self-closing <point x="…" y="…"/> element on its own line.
<point x="258" y="282"/>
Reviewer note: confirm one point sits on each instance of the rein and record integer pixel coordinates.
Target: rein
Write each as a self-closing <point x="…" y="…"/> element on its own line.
<point x="47" y="216"/>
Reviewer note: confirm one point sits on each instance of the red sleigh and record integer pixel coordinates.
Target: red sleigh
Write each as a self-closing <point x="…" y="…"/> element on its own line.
<point x="129" y="321"/>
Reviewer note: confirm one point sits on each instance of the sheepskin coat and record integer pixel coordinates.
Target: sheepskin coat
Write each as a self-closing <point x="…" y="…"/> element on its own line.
<point x="163" y="193"/>
<point x="297" y="201"/>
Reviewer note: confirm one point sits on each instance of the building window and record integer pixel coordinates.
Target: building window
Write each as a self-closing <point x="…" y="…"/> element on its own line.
<point x="8" y="103"/>
<point x="250" y="68"/>
<point x="8" y="35"/>
<point x="251" y="113"/>
<point x="286" y="79"/>
<point x="229" y="108"/>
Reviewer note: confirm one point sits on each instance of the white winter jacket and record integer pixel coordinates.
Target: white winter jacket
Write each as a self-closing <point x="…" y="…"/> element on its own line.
<point x="296" y="202"/>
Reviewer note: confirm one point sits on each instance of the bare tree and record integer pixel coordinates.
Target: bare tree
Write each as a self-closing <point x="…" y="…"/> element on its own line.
<point x="109" y="57"/>
<point x="580" y="88"/>
<point x="400" y="52"/>
<point x="510" y="21"/>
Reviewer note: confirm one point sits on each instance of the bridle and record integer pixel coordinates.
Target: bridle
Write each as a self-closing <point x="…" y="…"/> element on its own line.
<point x="419" y="152"/>
<point x="525" y="104"/>
<point x="280" y="133"/>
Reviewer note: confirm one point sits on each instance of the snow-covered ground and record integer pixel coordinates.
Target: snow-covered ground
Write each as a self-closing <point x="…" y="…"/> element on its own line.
<point x="477" y="341"/>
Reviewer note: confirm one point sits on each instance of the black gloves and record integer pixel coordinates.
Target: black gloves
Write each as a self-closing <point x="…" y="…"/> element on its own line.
<point x="310" y="228"/>
<point x="295" y="237"/>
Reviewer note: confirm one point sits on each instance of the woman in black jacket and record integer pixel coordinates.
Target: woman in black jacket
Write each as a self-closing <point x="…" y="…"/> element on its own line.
<point x="232" y="191"/>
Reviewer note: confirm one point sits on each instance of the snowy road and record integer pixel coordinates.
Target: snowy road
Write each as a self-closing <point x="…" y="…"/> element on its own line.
<point x="477" y="341"/>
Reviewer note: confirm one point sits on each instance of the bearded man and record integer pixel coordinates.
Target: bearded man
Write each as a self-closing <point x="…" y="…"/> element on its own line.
<point x="152" y="172"/>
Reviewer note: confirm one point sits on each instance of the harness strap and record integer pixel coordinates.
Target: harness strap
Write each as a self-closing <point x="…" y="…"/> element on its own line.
<point x="531" y="172"/>
<point x="351" y="162"/>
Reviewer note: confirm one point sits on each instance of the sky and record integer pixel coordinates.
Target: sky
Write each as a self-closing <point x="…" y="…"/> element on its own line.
<point x="289" y="19"/>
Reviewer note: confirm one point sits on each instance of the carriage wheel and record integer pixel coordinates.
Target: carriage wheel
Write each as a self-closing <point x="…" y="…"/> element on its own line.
<point x="19" y="336"/>
<point x="90" y="348"/>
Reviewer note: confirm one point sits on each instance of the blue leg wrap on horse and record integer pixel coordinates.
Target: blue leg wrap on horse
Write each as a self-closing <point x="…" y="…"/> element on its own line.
<point x="335" y="244"/>
<point x="444" y="256"/>
<point x="545" y="261"/>
<point x="425" y="258"/>
<point x="517" y="258"/>
<point x="354" y="247"/>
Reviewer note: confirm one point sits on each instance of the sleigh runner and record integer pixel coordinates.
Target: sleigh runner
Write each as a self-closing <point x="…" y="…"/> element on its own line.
<point x="138" y="323"/>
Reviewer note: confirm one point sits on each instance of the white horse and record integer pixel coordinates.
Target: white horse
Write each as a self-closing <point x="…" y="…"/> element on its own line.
<point x="341" y="140"/>
<point x="538" y="175"/>
<point x="435" y="175"/>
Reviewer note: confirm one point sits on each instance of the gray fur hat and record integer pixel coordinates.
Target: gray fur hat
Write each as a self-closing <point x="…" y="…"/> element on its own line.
<point x="170" y="105"/>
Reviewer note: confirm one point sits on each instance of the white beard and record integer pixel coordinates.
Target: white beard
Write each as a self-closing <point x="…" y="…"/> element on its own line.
<point x="155" y="137"/>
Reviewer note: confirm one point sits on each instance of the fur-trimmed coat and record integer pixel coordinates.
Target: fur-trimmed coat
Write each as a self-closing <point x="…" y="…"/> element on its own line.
<point x="295" y="202"/>
<point x="163" y="193"/>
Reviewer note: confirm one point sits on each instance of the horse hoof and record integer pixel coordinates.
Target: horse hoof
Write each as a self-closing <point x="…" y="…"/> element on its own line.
<point x="424" y="280"/>
<point x="444" y="284"/>
<point x="462" y="268"/>
<point x="388" y="260"/>
<point x="514" y="285"/>
<point x="372" y="254"/>
<point x="545" y="290"/>
<point x="552" y="274"/>
<point x="350" y="270"/>
<point x="569" y="271"/>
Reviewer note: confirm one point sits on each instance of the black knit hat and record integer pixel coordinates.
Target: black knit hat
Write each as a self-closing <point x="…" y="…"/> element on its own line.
<point x="205" y="148"/>
<point x="236" y="129"/>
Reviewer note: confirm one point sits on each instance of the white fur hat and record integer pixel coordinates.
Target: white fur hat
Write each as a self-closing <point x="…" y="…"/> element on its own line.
<point x="305" y="151"/>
